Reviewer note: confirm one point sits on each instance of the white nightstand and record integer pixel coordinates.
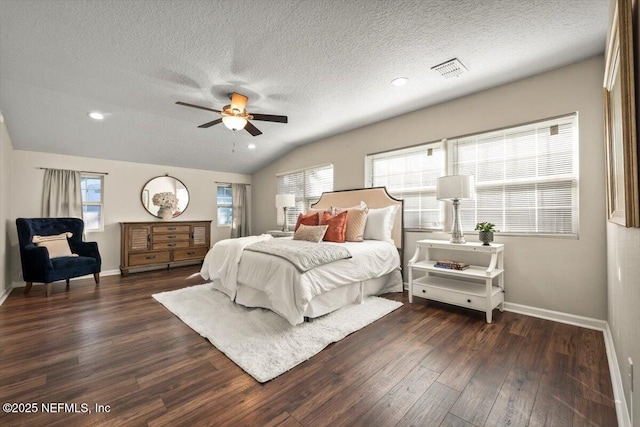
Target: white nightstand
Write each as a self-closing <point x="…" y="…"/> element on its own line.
<point x="459" y="287"/>
<point x="280" y="233"/>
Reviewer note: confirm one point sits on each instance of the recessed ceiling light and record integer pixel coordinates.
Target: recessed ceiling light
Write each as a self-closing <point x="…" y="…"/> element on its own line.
<point x="251" y="146"/>
<point x="400" y="81"/>
<point x="95" y="115"/>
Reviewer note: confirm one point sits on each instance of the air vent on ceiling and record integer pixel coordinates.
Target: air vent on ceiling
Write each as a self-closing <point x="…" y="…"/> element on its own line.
<point x="451" y="68"/>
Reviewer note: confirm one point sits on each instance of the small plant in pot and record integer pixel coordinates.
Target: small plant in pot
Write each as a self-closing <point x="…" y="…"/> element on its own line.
<point x="485" y="234"/>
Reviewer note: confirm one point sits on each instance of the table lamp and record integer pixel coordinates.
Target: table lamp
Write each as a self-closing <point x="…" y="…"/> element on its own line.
<point x="285" y="201"/>
<point x="455" y="188"/>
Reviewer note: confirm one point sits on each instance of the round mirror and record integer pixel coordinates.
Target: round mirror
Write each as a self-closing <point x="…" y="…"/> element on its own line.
<point x="165" y="197"/>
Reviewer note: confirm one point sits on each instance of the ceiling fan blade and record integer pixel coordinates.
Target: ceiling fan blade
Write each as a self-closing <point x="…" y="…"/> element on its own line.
<point x="208" y="125"/>
<point x="197" y="106"/>
<point x="238" y="102"/>
<point x="270" y="118"/>
<point x="249" y="127"/>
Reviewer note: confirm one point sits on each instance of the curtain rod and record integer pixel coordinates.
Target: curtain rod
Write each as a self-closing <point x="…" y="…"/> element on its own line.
<point x="220" y="182"/>
<point x="97" y="173"/>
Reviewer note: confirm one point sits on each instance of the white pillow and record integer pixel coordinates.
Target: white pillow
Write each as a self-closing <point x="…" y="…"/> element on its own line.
<point x="380" y="223"/>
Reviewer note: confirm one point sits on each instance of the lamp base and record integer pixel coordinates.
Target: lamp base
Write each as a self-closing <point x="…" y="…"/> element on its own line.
<point x="285" y="226"/>
<point x="457" y="236"/>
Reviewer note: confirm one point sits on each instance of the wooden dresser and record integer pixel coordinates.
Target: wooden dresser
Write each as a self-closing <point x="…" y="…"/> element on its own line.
<point x="149" y="244"/>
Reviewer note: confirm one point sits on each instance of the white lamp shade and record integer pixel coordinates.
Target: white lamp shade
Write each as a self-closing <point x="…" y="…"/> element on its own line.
<point x="456" y="187"/>
<point x="285" y="200"/>
<point x="234" y="122"/>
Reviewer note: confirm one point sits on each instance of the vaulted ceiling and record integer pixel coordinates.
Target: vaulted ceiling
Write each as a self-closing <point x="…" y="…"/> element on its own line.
<point x="326" y="64"/>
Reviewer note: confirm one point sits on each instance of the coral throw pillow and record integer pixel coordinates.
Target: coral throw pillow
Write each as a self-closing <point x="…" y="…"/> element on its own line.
<point x="337" y="227"/>
<point x="312" y="219"/>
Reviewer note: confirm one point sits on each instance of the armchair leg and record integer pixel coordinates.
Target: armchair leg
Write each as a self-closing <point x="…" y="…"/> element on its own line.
<point x="27" y="288"/>
<point x="49" y="285"/>
<point x="96" y="277"/>
<point x="67" y="283"/>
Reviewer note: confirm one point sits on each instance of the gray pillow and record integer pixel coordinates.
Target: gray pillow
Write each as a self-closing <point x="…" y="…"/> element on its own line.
<point x="310" y="233"/>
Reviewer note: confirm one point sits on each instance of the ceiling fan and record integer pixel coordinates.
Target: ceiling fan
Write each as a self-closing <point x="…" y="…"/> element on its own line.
<point x="236" y="117"/>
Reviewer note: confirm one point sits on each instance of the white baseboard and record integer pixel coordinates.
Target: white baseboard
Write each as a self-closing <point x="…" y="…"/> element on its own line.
<point x="557" y="316"/>
<point x="4" y="295"/>
<point x="616" y="380"/>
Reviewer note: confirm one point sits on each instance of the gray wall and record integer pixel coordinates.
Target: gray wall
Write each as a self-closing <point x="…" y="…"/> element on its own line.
<point x="566" y="275"/>
<point x="623" y="256"/>
<point x="6" y="151"/>
<point x="122" y="202"/>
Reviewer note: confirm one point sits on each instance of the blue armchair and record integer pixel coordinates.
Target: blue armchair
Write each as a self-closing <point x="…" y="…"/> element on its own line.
<point x="36" y="264"/>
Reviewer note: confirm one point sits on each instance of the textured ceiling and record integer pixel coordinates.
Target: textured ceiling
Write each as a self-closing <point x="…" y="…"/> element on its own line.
<point x="327" y="64"/>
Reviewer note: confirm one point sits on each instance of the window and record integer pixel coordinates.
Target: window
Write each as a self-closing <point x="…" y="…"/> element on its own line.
<point x="411" y="174"/>
<point x="526" y="178"/>
<point x="308" y="185"/>
<point x="225" y="209"/>
<point x="92" y="187"/>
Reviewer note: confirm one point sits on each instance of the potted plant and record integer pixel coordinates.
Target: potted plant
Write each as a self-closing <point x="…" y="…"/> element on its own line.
<point x="485" y="232"/>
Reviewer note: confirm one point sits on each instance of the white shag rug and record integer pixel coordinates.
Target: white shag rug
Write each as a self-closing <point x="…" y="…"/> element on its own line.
<point x="262" y="343"/>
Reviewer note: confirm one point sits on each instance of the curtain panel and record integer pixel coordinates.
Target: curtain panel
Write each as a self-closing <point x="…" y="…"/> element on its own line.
<point x="240" y="209"/>
<point x="61" y="194"/>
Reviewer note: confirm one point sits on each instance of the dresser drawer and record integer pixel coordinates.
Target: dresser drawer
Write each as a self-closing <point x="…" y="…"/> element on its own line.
<point x="170" y="245"/>
<point x="450" y="297"/>
<point x="189" y="253"/>
<point x="144" y="258"/>
<point x="171" y="229"/>
<point x="169" y="237"/>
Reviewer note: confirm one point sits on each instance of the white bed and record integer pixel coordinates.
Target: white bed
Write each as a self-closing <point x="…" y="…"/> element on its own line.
<point x="255" y="279"/>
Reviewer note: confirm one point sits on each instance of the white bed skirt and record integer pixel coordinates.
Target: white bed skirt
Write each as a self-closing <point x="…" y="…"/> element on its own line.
<point x="327" y="302"/>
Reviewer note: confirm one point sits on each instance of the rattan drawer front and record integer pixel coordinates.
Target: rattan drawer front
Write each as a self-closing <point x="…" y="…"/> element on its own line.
<point x="169" y="237"/>
<point x="170" y="245"/>
<point x="191" y="253"/>
<point x="144" y="258"/>
<point x="171" y="229"/>
<point x="139" y="239"/>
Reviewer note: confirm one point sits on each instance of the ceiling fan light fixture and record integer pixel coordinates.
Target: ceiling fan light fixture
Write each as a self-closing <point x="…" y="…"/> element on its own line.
<point x="234" y="122"/>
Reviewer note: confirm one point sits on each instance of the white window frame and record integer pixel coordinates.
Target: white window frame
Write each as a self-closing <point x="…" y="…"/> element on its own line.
<point x="304" y="199"/>
<point x="449" y="169"/>
<point x="414" y="190"/>
<point x="84" y="175"/>
<point x="223" y="205"/>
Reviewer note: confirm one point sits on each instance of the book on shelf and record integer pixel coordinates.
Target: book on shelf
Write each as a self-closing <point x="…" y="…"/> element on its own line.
<point x="451" y="265"/>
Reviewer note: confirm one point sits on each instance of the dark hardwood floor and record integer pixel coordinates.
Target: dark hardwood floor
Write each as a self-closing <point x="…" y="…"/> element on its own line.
<point x="425" y="364"/>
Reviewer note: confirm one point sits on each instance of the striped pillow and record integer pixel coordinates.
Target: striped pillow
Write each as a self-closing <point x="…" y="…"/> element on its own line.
<point x="356" y="222"/>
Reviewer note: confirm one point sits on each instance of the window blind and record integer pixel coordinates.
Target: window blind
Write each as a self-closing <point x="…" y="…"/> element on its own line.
<point x="411" y="174"/>
<point x="526" y="177"/>
<point x="308" y="185"/>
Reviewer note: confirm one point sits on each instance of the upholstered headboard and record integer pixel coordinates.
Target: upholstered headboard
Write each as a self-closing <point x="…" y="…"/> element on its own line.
<point x="376" y="197"/>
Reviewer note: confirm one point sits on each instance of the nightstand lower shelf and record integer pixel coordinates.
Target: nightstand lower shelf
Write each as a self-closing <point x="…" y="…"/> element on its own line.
<point x="457" y="292"/>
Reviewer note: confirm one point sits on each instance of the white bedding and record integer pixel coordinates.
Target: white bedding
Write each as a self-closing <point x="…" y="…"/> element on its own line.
<point x="221" y="262"/>
<point x="290" y="291"/>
